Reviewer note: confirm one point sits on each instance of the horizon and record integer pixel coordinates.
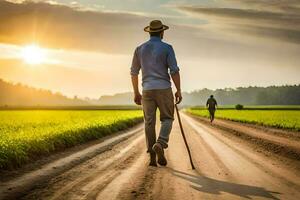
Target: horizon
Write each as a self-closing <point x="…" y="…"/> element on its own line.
<point x="85" y="48"/>
<point x="125" y="92"/>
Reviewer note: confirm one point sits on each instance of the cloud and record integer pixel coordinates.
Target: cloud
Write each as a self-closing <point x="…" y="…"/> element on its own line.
<point x="60" y="26"/>
<point x="287" y="6"/>
<point x="279" y="34"/>
<point x="264" y="19"/>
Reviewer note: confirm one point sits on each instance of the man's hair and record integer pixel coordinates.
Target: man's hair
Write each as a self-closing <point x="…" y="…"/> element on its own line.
<point x="157" y="34"/>
<point x="211" y="96"/>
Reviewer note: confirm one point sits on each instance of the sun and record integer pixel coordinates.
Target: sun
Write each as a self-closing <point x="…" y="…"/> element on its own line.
<point x="33" y="54"/>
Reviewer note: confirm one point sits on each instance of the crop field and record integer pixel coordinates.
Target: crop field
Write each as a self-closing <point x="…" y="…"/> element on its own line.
<point x="254" y="107"/>
<point x="25" y="135"/>
<point x="286" y="119"/>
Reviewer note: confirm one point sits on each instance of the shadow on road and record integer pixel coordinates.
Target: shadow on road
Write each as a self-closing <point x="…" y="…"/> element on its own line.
<point x="213" y="186"/>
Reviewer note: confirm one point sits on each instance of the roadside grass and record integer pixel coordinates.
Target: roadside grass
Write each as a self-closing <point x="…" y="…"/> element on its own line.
<point x="87" y="107"/>
<point x="285" y="119"/>
<point x="27" y="135"/>
<point x="253" y="107"/>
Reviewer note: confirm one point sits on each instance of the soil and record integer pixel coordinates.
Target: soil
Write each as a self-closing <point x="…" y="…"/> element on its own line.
<point x="230" y="164"/>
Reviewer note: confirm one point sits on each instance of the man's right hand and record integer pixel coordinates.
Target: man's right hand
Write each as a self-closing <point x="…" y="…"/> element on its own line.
<point x="138" y="99"/>
<point x="178" y="97"/>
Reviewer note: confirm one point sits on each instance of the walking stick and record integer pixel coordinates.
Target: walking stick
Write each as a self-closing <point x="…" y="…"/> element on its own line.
<point x="182" y="133"/>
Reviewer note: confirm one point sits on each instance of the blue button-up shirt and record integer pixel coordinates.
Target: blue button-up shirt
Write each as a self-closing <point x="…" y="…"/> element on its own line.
<point x="157" y="60"/>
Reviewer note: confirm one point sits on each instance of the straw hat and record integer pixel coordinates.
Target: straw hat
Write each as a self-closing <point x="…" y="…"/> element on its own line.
<point x="155" y="26"/>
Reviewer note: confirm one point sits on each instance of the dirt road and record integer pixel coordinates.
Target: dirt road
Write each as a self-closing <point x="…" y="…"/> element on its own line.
<point x="227" y="167"/>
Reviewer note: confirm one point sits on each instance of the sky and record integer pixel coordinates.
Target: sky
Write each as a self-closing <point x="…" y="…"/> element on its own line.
<point x="87" y="45"/>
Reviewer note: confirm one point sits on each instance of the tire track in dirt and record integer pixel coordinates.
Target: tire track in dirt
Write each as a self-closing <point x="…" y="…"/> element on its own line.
<point x="38" y="177"/>
<point x="286" y="143"/>
<point x="86" y="180"/>
<point x="225" y="169"/>
<point x="246" y="165"/>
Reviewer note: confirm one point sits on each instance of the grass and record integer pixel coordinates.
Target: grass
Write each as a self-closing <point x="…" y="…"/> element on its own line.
<point x="26" y="135"/>
<point x="285" y="119"/>
<point x="85" y="107"/>
<point x="254" y="107"/>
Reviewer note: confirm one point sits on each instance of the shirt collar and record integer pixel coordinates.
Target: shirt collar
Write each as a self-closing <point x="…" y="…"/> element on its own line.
<point x="155" y="38"/>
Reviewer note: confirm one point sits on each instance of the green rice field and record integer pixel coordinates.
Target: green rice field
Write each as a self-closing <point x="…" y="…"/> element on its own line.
<point x="254" y="107"/>
<point x="28" y="134"/>
<point x="286" y="119"/>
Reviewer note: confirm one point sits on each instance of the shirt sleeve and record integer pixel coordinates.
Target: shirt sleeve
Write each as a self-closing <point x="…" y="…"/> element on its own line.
<point x="172" y="62"/>
<point x="136" y="65"/>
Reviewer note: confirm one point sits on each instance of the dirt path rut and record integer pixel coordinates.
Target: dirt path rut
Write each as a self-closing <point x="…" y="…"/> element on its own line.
<point x="225" y="169"/>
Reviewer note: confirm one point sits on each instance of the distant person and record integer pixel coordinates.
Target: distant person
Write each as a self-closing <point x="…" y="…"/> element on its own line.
<point x="211" y="104"/>
<point x="157" y="61"/>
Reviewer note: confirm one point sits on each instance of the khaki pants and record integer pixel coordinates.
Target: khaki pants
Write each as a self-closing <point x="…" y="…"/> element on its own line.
<point x="162" y="99"/>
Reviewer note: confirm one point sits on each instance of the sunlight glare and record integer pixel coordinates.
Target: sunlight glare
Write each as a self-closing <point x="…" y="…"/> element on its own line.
<point x="33" y="54"/>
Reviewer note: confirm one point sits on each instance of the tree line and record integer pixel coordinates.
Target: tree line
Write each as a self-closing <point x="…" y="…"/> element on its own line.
<point x="22" y="95"/>
<point x="272" y="95"/>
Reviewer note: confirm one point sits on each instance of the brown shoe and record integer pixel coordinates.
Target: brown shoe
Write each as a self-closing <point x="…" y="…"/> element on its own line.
<point x="161" y="159"/>
<point x="152" y="159"/>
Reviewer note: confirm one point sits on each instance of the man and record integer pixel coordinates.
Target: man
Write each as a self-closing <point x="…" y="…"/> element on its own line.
<point x="211" y="104"/>
<point x="157" y="61"/>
